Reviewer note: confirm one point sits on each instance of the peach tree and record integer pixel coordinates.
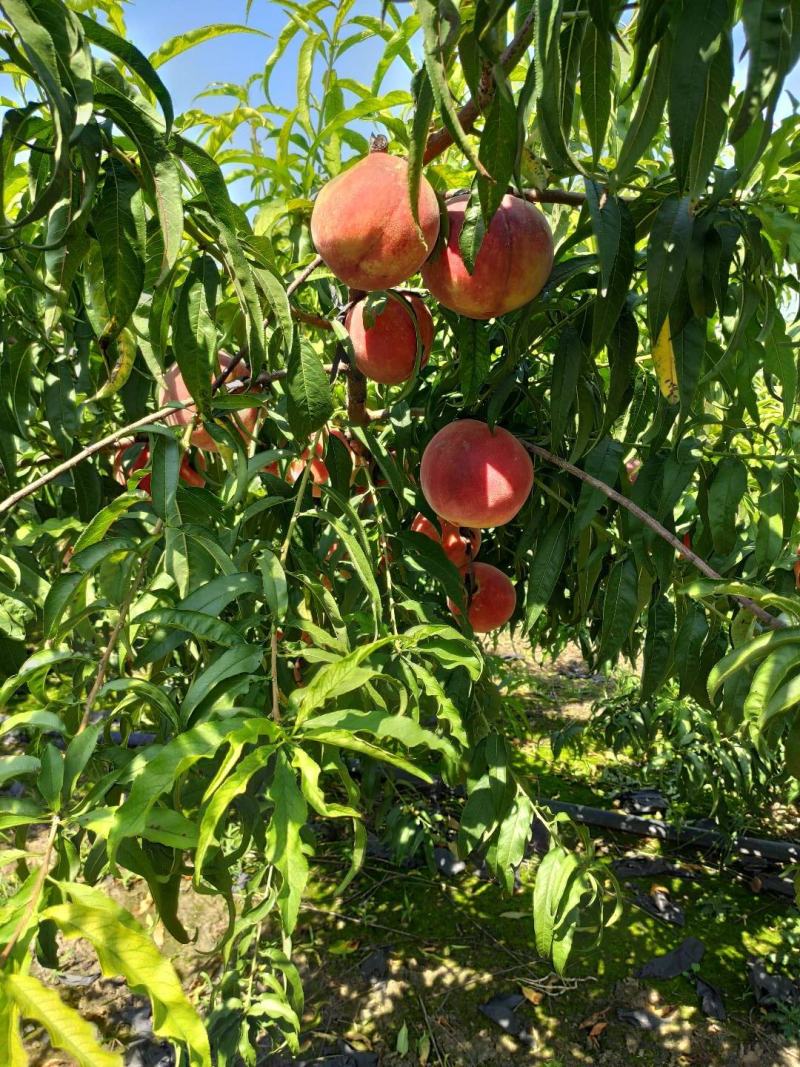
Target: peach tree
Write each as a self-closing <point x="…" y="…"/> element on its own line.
<point x="538" y="307"/>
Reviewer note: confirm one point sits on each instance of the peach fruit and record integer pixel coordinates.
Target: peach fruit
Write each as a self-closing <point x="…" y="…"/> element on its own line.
<point x="514" y="261"/>
<point x="386" y="351"/>
<point x="363" y="228"/>
<point x="492" y="600"/>
<point x="460" y="545"/>
<point x="176" y="391"/>
<point x="122" y="468"/>
<point x="474" y="476"/>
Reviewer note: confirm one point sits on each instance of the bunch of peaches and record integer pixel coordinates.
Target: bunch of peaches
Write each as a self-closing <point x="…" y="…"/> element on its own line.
<point x="472" y="477"/>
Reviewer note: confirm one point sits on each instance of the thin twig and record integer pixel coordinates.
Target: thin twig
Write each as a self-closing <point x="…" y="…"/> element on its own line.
<point x="98" y="446"/>
<point x="304" y="274"/>
<point x="44" y="870"/>
<point x="226" y="372"/>
<point x="430" y="1028"/>
<point x="105" y="659"/>
<point x="284" y="555"/>
<point x="654" y="525"/>
<point x="441" y="139"/>
<point x="318" y="321"/>
<point x="555" y="196"/>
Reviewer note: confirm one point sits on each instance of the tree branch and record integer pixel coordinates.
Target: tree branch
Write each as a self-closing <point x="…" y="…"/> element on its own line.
<point x="98" y="446"/>
<point x="555" y="196"/>
<point x="441" y="139"/>
<point x="33" y="903"/>
<point x="304" y="275"/>
<point x="310" y="319"/>
<point x="125" y="607"/>
<point x="654" y="525"/>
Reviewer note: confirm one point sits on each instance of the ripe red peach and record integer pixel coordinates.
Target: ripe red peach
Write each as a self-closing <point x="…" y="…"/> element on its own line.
<point x="363" y="228"/>
<point x="460" y="546"/>
<point x="511" y="268"/>
<point x="122" y="467"/>
<point x="177" y="391"/>
<point x="386" y="351"/>
<point x="474" y="476"/>
<point x="492" y="600"/>
<point x="319" y="471"/>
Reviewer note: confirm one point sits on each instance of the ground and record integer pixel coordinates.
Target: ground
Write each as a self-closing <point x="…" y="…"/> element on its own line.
<point x="398" y="969"/>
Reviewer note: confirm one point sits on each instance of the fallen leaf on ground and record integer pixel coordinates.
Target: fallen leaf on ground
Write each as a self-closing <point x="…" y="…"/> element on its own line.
<point x="533" y="995"/>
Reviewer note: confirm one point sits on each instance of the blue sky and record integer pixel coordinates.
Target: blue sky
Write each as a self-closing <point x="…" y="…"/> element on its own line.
<point x="232" y="58"/>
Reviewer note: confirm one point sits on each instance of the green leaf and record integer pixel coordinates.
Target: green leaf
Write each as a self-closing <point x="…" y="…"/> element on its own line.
<point x="768" y="26"/>
<point x="159" y="169"/>
<point x="123" y="948"/>
<point x="724" y="496"/>
<point x="232" y="663"/>
<point x="473" y="230"/>
<point x="284" y="844"/>
<point x="667" y="251"/>
<point x="194" y="333"/>
<point x="221" y="799"/>
<point x="41" y="51"/>
<point x="567" y="362"/>
<point x="211" y="599"/>
<point x="309" y="402"/>
<point x="750" y="652"/>
<point x="769" y="532"/>
<point x="658" y="646"/>
<point x="79" y="752"/>
<point x="19" y="764"/>
<point x="649" y="113"/>
<point x="596" y="85"/>
<point x="603" y="463"/>
<point x="64" y="1025"/>
<point x="59" y="596"/>
<point x="164" y="480"/>
<point x="692" y="633"/>
<point x="36" y="666"/>
<point x="51" y="775"/>
<point x="360" y="560"/>
<point x="620" y="608"/>
<point x="546" y="566"/>
<point x="622" y="346"/>
<point x="780" y="359"/>
<point x="700" y="77"/>
<point x="553" y="877"/>
<point x="380" y="724"/>
<point x="133" y="58"/>
<point x="553" y="87"/>
<point x="46" y="721"/>
<point x="513" y="835"/>
<point x="423" y="113"/>
<point x="197" y="623"/>
<point x="768" y="677"/>
<point x="615" y="234"/>
<point x="498" y="146"/>
<point x="119" y="222"/>
<point x="474" y="358"/>
<point x="793" y="748"/>
<point x="689" y="349"/>
<point x="435" y="53"/>
<point x="146" y="691"/>
<point x="181" y="43"/>
<point x="785" y="697"/>
<point x="222" y="211"/>
<point x="103" y="521"/>
<point x="202" y="741"/>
